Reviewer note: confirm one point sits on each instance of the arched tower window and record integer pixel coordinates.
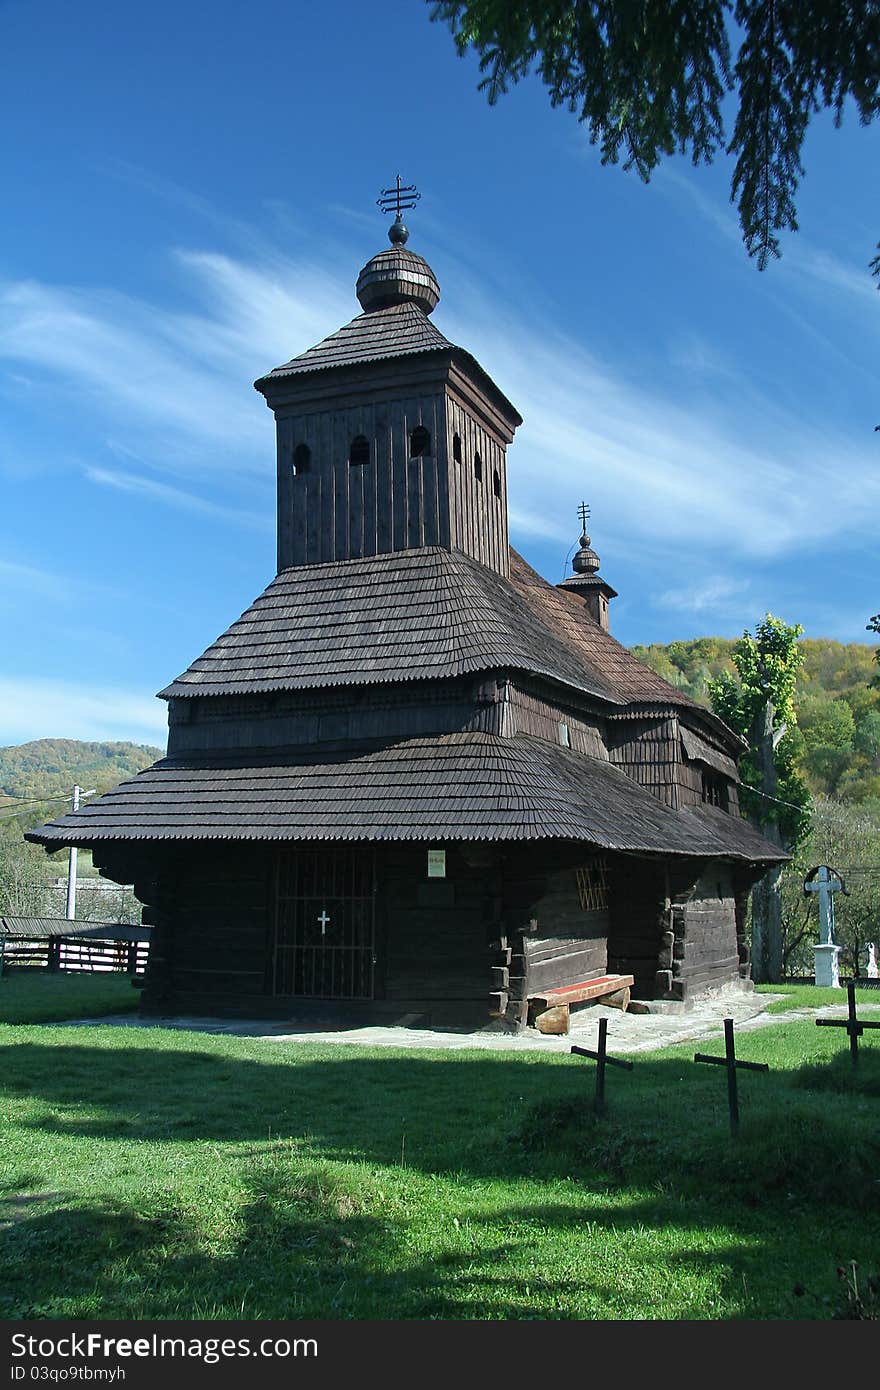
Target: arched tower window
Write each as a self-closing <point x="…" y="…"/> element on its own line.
<point x="302" y="459"/>
<point x="496" y="482"/>
<point x="419" y="443"/>
<point x="456" y="447"/>
<point x="360" y="450"/>
<point x="478" y="468"/>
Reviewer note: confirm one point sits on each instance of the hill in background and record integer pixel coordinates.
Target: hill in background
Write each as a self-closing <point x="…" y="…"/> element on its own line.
<point x="837" y="704"/>
<point x="50" y="767"/>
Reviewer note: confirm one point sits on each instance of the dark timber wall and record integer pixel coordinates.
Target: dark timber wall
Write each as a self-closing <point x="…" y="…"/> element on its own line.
<point x="705" y="926"/>
<point x="454" y="494"/>
<point x="338" y="510"/>
<point x="434" y="933"/>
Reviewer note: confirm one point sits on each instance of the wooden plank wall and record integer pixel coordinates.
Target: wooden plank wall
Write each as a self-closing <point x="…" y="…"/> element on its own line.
<point x="690" y="785"/>
<point x="546" y="938"/>
<point x="478" y="518"/>
<point x="209" y="909"/>
<point x="706" y="954"/>
<point x="306" y="718"/>
<point x="649" y="751"/>
<point x="535" y="714"/>
<point x="338" y="510"/>
<point x="433" y="935"/>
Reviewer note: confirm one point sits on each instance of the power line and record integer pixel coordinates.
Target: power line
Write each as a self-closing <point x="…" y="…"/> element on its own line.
<point x="30" y="800"/>
<point x="744" y="786"/>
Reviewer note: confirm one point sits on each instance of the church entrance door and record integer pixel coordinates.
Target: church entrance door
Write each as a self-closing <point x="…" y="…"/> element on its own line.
<point x="325" y="924"/>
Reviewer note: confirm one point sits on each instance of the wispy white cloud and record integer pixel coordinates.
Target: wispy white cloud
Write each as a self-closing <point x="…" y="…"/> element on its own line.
<point x="43" y="708"/>
<point x="17" y="579"/>
<point x="141" y="486"/>
<point x="724" y="464"/>
<point x="713" y="595"/>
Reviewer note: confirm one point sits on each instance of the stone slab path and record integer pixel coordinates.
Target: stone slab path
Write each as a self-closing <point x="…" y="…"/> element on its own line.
<point x="627" y="1033"/>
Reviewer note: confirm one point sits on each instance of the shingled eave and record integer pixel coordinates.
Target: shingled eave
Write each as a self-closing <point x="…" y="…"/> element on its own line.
<point x="375" y="338"/>
<point x="566" y="612"/>
<point x="452" y="787"/>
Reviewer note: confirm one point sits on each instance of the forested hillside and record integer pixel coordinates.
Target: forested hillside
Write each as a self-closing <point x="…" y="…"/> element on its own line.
<point x="36" y="780"/>
<point x="50" y="766"/>
<point x="837" y="705"/>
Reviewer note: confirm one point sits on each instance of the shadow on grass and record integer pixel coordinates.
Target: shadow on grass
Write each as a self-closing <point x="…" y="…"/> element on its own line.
<point x="308" y="1237"/>
<point x="307" y="1249"/>
<point x="477" y="1114"/>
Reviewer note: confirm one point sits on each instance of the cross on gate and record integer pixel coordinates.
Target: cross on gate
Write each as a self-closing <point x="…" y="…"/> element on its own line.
<point x="602" y="1060"/>
<point x="729" y="1060"/>
<point x="853" y="1025"/>
<point x="324" y="920"/>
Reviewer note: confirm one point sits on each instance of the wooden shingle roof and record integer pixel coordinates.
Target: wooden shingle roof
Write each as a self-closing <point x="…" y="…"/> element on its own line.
<point x="404" y="616"/>
<point x="464" y="786"/>
<point x="565" y="613"/>
<point x="415" y="615"/>
<point x="398" y="331"/>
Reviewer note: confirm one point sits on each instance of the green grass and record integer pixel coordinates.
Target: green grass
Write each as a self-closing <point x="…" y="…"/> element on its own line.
<point x="34" y="996"/>
<point x="809" y="997"/>
<point x="160" y="1174"/>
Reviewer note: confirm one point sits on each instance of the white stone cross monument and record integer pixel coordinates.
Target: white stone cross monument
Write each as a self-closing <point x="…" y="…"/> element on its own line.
<point x="825" y="882"/>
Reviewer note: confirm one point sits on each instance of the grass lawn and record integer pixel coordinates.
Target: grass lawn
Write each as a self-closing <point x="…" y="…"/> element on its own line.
<point x="35" y="996"/>
<point x="161" y="1174"/>
<point x="809" y="997"/>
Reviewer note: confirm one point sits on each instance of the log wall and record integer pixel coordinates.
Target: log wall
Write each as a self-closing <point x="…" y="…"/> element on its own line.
<point x="309" y="718"/>
<point x="706" y="947"/>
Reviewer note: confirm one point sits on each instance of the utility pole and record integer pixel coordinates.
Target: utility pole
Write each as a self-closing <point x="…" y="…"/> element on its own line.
<point x="78" y="793"/>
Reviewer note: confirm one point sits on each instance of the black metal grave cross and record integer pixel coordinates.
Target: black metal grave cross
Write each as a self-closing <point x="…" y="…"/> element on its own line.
<point x="853" y="1025"/>
<point x="601" y="1058"/>
<point x="729" y="1061"/>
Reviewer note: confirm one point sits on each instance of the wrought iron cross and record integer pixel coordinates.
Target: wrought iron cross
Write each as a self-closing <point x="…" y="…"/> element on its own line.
<point x="324" y="920"/>
<point x="602" y="1060"/>
<point x="729" y="1060"/>
<point x="854" y="1026"/>
<point x="584" y="514"/>
<point x="399" y="198"/>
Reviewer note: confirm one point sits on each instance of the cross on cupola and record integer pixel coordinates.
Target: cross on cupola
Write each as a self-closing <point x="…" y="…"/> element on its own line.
<point x="398" y="200"/>
<point x="586" y="579"/>
<point x="390" y="437"/>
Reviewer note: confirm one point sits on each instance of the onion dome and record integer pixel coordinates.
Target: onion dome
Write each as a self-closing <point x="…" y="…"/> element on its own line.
<point x="397" y="276"/>
<point x="586" y="561"/>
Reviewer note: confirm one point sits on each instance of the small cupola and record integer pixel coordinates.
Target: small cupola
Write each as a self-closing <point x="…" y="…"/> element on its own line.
<point x="397" y="276"/>
<point x="586" y="580"/>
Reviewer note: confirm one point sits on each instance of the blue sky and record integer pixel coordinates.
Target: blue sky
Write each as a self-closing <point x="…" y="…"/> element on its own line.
<point x="190" y="192"/>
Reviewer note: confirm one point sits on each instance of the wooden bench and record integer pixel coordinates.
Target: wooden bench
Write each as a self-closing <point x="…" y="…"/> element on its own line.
<point x="550" y="1010"/>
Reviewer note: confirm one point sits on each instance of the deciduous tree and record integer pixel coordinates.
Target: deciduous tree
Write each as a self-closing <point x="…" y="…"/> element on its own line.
<point x="758" y="702"/>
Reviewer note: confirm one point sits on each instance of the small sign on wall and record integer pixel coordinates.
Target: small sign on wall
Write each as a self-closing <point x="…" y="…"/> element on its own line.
<point x="436" y="863"/>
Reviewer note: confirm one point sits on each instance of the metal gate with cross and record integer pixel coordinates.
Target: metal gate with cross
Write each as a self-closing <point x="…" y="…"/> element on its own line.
<point x="325" y="922"/>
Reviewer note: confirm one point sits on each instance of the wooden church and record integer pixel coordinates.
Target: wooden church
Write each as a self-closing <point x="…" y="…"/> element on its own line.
<point x="414" y="779"/>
